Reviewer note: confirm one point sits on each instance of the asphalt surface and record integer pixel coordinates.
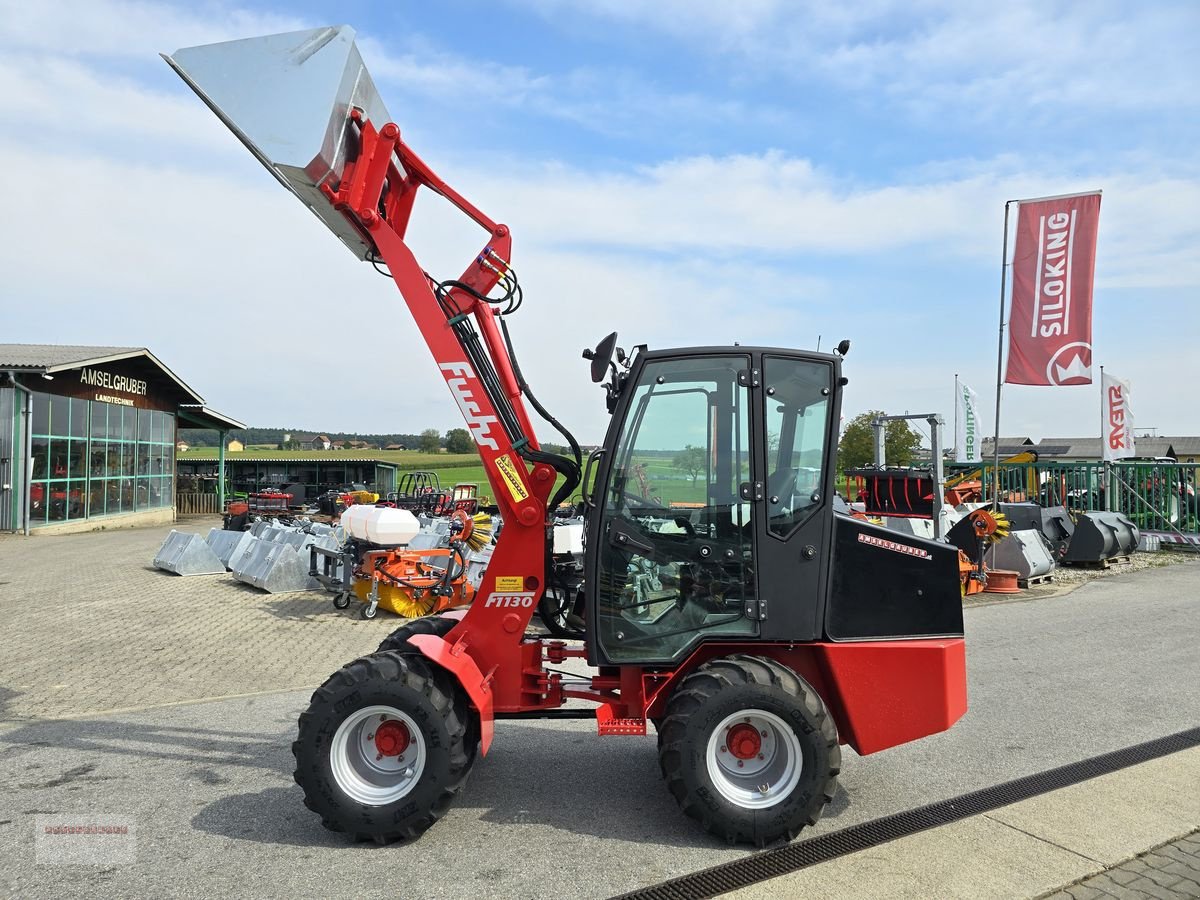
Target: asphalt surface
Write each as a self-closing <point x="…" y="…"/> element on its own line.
<point x="554" y="811"/>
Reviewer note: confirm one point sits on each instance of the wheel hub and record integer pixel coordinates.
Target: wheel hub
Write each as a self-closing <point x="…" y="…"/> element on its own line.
<point x="377" y="755"/>
<point x="743" y="741"/>
<point x="754" y="758"/>
<point x="392" y="738"/>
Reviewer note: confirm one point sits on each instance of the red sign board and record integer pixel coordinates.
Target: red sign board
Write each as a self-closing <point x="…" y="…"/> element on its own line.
<point x="1050" y="323"/>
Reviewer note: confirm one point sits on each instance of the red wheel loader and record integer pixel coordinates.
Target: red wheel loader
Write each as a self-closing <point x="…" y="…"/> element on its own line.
<point x="723" y="601"/>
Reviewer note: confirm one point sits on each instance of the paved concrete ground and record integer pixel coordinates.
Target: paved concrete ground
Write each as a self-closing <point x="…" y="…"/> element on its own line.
<point x="1077" y="836"/>
<point x="553" y="811"/>
<point x="90" y="626"/>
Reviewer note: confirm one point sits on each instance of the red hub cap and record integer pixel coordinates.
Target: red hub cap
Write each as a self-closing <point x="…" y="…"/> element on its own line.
<point x="743" y="741"/>
<point x="392" y="738"/>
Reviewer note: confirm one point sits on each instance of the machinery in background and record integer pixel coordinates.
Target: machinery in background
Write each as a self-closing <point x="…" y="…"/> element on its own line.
<point x="389" y="559"/>
<point x="422" y="492"/>
<point x="967" y="487"/>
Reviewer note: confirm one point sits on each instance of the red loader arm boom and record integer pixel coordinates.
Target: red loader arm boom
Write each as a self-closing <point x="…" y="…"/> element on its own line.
<point x="358" y="176"/>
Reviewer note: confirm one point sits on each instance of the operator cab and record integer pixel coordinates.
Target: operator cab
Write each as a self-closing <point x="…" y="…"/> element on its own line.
<point x="712" y="502"/>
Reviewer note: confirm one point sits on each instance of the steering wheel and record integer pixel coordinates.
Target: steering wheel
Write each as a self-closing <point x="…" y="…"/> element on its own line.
<point x="686" y="524"/>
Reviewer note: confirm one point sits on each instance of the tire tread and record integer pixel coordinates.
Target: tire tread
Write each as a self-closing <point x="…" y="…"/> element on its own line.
<point x="699" y="688"/>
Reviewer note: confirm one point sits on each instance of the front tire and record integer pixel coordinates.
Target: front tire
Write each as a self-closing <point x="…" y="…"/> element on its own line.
<point x="439" y="626"/>
<point x="749" y="750"/>
<point x="381" y="751"/>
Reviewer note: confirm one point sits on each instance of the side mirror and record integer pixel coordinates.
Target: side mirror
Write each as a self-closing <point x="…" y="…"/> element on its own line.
<point x="601" y="357"/>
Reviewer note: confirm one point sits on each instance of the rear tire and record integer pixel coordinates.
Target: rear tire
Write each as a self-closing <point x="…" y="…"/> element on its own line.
<point x="380" y="785"/>
<point x="749" y="750"/>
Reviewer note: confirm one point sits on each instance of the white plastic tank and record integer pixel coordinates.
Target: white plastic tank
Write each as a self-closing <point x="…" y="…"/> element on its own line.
<point x="568" y="537"/>
<point x="380" y="525"/>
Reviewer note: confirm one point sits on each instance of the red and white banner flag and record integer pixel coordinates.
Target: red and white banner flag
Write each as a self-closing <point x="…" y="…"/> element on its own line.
<point x="1117" y="418"/>
<point x="1050" y="323"/>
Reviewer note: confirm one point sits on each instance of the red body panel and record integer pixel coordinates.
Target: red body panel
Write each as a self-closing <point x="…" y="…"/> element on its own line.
<point x="885" y="693"/>
<point x="453" y="658"/>
<point x="880" y="693"/>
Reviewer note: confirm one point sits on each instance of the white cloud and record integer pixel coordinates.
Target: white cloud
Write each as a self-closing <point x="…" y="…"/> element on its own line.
<point x="71" y="99"/>
<point x="235" y="285"/>
<point x="937" y="55"/>
<point x="609" y="101"/>
<point x="132" y="29"/>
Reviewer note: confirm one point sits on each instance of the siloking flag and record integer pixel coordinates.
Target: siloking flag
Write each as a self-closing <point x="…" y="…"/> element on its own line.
<point x="1050" y="323"/>
<point x="1117" y="424"/>
<point x="966" y="441"/>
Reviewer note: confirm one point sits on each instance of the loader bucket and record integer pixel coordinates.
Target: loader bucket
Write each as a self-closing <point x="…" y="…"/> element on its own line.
<point x="228" y="545"/>
<point x="1100" y="536"/>
<point x="187" y="554"/>
<point x="1053" y="522"/>
<point x="1025" y="552"/>
<point x="288" y="98"/>
<point x="279" y="562"/>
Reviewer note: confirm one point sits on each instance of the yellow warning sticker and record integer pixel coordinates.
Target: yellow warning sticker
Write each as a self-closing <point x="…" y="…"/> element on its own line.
<point x="512" y="478"/>
<point x="509" y="583"/>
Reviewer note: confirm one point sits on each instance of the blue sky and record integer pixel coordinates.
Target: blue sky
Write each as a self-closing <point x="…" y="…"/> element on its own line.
<point x="681" y="172"/>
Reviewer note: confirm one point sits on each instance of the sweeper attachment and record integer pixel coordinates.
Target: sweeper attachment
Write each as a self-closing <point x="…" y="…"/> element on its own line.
<point x="732" y="610"/>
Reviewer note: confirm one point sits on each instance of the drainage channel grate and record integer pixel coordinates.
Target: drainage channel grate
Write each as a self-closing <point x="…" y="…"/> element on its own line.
<point x="761" y="866"/>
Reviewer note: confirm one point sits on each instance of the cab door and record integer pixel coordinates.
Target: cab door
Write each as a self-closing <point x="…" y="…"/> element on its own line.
<point x="670" y="556"/>
<point x="800" y="402"/>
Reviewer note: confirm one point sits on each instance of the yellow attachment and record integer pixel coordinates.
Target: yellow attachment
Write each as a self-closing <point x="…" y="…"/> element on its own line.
<point x="992" y="526"/>
<point x="419" y="573"/>
<point x="397" y="599"/>
<point x="481" y="531"/>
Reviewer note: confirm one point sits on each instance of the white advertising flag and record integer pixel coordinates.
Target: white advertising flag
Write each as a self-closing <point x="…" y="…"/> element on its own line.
<point x="1117" y="418"/>
<point x="966" y="441"/>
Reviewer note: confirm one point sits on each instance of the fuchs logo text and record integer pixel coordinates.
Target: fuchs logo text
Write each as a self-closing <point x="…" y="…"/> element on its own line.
<point x="459" y="376"/>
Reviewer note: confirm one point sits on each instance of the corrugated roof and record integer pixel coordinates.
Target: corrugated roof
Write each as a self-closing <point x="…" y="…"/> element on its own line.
<point x="207" y="455"/>
<point x="1091" y="447"/>
<point x="49" y="356"/>
<point x="1011" y="441"/>
<point x="200" y="416"/>
<point x="1184" y="446"/>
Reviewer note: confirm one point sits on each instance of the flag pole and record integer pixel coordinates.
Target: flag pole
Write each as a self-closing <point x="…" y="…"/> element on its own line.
<point x="1000" y="362"/>
<point x="957" y="449"/>
<point x="1105" y="462"/>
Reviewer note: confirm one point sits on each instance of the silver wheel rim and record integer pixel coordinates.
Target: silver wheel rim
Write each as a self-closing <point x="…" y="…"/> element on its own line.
<point x="366" y="766"/>
<point x="766" y="776"/>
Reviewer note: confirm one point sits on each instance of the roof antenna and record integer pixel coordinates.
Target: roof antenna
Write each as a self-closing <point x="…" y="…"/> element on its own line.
<point x="818" y="343"/>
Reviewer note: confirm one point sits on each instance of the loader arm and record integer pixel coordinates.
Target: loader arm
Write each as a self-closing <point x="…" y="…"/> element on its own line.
<point x="362" y="183"/>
